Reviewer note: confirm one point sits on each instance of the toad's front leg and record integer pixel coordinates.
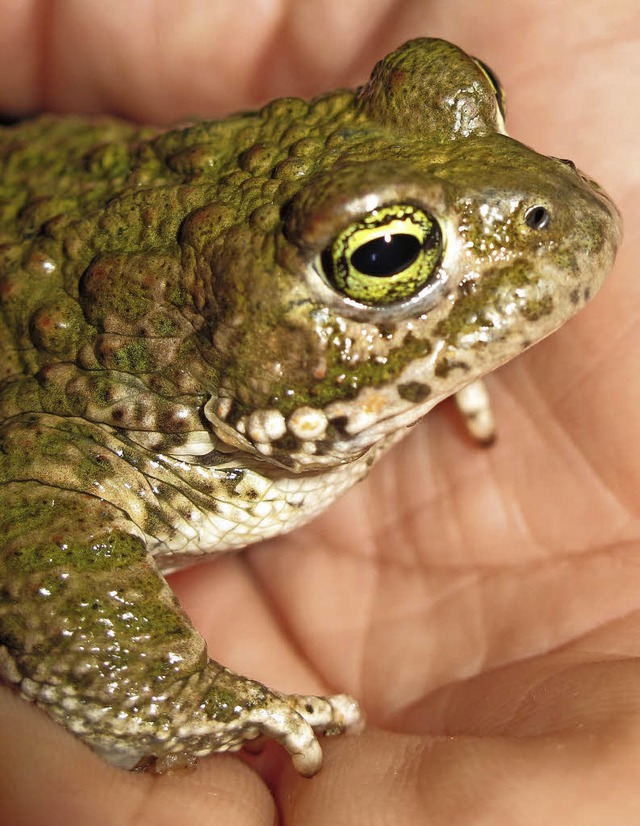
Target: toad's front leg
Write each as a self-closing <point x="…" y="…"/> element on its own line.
<point x="91" y="632"/>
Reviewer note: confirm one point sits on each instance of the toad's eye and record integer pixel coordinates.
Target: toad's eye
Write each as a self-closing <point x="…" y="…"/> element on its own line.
<point x="495" y="85"/>
<point x="388" y="256"/>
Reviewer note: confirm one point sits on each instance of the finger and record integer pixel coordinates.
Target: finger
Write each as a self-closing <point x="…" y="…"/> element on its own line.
<point x="47" y="776"/>
<point x="388" y="778"/>
<point x="90" y="56"/>
<point x="162" y="61"/>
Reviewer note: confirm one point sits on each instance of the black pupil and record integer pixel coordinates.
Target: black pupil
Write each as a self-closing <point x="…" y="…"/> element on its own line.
<point x="386" y="255"/>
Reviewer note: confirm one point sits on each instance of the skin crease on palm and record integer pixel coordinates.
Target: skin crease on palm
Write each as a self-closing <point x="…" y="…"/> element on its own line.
<point x="483" y="604"/>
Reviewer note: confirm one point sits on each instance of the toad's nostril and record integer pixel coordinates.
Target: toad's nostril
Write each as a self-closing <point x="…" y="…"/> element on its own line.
<point x="537" y="217"/>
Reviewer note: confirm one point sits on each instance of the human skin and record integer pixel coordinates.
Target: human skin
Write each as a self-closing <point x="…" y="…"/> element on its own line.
<point x="483" y="604"/>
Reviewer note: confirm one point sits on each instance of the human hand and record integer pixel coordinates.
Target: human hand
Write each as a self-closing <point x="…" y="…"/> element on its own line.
<point x="483" y="604"/>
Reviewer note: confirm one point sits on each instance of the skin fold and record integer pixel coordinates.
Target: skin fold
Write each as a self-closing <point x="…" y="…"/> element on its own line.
<point x="483" y="604"/>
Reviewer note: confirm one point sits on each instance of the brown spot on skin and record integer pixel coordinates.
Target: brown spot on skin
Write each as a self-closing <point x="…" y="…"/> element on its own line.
<point x="231" y="481"/>
<point x="339" y="425"/>
<point x="234" y="414"/>
<point x="467" y="286"/>
<point x="387" y="330"/>
<point x="173" y="421"/>
<point x="534" y="310"/>
<point x="444" y="366"/>
<point x="213" y="458"/>
<point x="574" y="296"/>
<point x="288" y="443"/>
<point x="414" y="391"/>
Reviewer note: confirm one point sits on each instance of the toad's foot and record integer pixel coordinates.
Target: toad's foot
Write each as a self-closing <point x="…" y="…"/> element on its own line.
<point x="292" y="720"/>
<point x="295" y="720"/>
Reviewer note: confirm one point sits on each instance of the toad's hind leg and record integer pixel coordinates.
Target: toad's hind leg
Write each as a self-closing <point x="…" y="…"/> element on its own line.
<point x="91" y="632"/>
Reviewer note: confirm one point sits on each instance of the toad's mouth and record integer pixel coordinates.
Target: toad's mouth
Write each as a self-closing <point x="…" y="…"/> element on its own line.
<point x="312" y="439"/>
